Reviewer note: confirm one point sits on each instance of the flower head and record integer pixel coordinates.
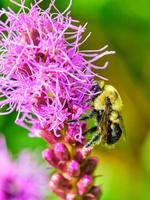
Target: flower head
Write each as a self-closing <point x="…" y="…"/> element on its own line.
<point x="44" y="74"/>
<point x="21" y="179"/>
<point x="48" y="80"/>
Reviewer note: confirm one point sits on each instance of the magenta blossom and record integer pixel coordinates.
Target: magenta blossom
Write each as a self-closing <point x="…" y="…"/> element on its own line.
<point x="48" y="80"/>
<point x="21" y="179"/>
<point x="45" y="77"/>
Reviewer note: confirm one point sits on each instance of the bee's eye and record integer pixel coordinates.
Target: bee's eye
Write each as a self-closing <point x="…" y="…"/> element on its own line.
<point x="96" y="88"/>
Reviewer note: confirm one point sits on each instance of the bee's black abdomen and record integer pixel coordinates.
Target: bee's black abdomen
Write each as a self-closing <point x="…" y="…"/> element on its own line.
<point x="114" y="134"/>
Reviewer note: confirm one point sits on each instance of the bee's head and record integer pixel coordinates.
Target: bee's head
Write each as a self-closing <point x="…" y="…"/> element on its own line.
<point x="96" y="89"/>
<point x="97" y="86"/>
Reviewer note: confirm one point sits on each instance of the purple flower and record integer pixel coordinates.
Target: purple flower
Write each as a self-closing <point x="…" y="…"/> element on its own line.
<point x="44" y="75"/>
<point x="48" y="80"/>
<point x="22" y="179"/>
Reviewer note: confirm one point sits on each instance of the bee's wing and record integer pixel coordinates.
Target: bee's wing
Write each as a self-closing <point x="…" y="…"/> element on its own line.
<point x="104" y="125"/>
<point x="105" y="115"/>
<point x="121" y="123"/>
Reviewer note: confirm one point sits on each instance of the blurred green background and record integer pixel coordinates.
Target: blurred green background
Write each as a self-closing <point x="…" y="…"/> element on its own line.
<point x="125" y="27"/>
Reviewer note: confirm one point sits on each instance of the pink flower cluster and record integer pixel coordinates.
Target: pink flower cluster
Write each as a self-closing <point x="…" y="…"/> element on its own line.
<point x="74" y="177"/>
<point x="21" y="179"/>
<point x="48" y="80"/>
<point x="43" y="74"/>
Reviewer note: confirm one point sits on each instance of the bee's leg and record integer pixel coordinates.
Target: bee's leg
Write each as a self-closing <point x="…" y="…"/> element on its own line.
<point x="95" y="140"/>
<point x="99" y="115"/>
<point x="84" y="118"/>
<point x="91" y="130"/>
<point x="92" y="114"/>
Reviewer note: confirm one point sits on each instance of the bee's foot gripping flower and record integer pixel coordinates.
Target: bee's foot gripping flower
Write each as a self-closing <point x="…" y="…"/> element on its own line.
<point x="47" y="79"/>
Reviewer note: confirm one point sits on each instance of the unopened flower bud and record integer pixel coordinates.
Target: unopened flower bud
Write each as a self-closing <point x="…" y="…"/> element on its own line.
<point x="56" y="178"/>
<point x="61" y="151"/>
<point x="71" y="196"/>
<point x="49" y="137"/>
<point x="48" y="154"/>
<point x="79" y="157"/>
<point x="69" y="139"/>
<point x="84" y="184"/>
<point x="73" y="168"/>
<point x="62" y="165"/>
<point x="59" y="192"/>
<point x="89" y="166"/>
<point x="60" y="182"/>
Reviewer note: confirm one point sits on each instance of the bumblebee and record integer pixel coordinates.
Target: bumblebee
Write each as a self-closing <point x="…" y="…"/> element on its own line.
<point x="107" y="106"/>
